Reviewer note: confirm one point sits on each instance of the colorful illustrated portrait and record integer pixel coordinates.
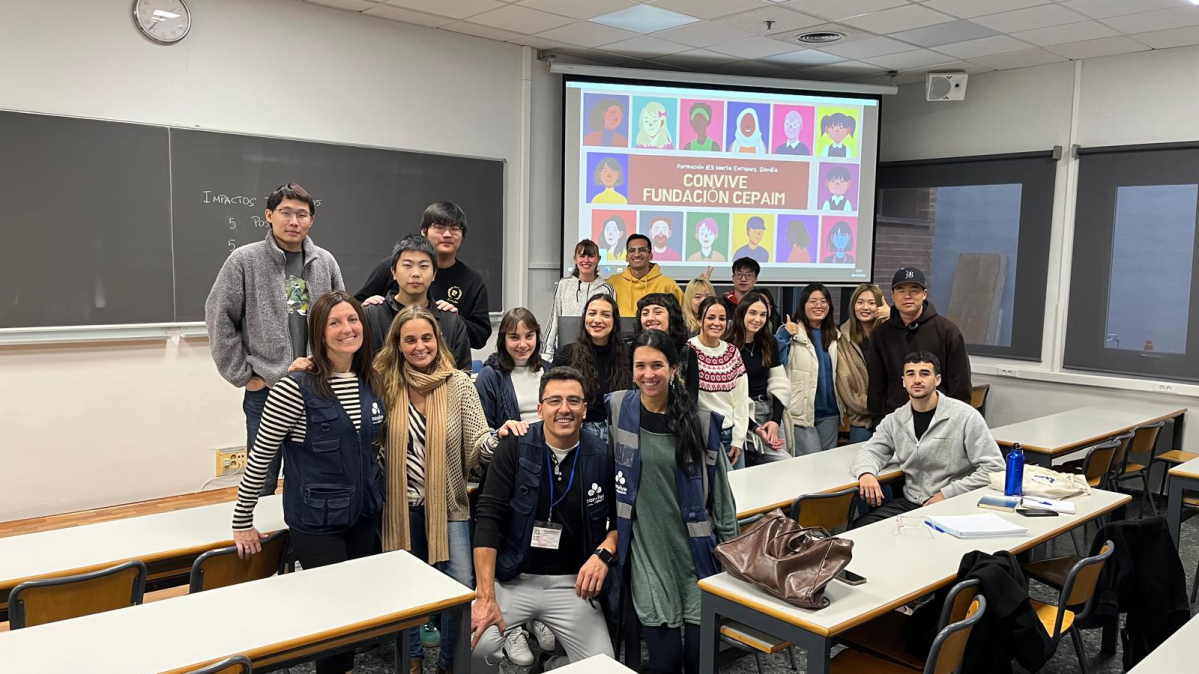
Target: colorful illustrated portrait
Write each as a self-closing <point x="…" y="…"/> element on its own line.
<point x="707" y="237"/>
<point x="837" y="187"/>
<point x="793" y="130"/>
<point x="753" y="236"/>
<point x="838" y="240"/>
<point x="665" y="232"/>
<point x="607" y="120"/>
<point x="610" y="230"/>
<point x="748" y="128"/>
<point x="655" y="122"/>
<point x="607" y="178"/>
<point x="837" y="131"/>
<point x="798" y="238"/>
<point x="701" y="118"/>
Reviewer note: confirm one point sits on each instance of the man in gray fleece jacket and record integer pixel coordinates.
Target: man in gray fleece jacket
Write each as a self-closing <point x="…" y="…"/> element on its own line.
<point x="257" y="311"/>
<point x="943" y="446"/>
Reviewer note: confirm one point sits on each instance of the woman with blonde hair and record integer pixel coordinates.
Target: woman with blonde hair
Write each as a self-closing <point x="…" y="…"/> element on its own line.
<point x="697" y="291"/>
<point x="852" y="355"/>
<point x="655" y="132"/>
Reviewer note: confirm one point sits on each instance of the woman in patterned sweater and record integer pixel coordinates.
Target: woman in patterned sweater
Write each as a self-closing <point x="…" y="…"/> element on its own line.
<point x="723" y="383"/>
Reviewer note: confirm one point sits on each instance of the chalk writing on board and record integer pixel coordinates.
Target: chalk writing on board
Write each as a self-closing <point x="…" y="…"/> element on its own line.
<point x="236" y="199"/>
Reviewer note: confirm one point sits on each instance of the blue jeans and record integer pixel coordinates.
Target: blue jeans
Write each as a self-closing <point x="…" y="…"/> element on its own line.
<point x="859" y="434"/>
<point x="597" y="429"/>
<point x="252" y="405"/>
<point x="459" y="567"/>
<point x="726" y="442"/>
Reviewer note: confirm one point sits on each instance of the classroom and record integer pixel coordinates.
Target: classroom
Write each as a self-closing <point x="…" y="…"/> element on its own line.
<point x="1013" y="182"/>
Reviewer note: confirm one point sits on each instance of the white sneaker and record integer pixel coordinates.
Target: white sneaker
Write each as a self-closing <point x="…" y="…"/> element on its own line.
<point x="516" y="647"/>
<point x="544" y="636"/>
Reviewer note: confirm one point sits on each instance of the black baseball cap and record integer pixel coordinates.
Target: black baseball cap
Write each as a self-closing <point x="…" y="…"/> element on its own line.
<point x="908" y="275"/>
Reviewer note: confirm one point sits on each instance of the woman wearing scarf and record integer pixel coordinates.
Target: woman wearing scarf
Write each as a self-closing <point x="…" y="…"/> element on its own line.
<point x="653" y="134"/>
<point x="749" y="134"/>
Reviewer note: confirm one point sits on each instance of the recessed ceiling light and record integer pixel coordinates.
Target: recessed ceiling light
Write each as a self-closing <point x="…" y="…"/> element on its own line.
<point x="824" y="36"/>
<point x="644" y="19"/>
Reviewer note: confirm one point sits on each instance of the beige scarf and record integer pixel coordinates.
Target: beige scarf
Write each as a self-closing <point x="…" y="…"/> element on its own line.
<point x="852" y="381"/>
<point x="395" y="515"/>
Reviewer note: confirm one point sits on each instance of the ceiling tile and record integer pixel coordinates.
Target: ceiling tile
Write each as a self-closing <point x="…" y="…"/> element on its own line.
<point x="459" y="9"/>
<point x="754" y="22"/>
<point x="701" y="34"/>
<point x="835" y="10"/>
<point x="1159" y="20"/>
<point x="908" y="59"/>
<point x="754" y="48"/>
<point x="408" y="16"/>
<point x="998" y="44"/>
<point x="1018" y="59"/>
<point x="898" y="19"/>
<point x="1028" y="19"/>
<point x="695" y="59"/>
<point x="520" y="20"/>
<point x="644" y="19"/>
<point x="875" y="46"/>
<point x="805" y="57"/>
<point x="482" y="31"/>
<point x="352" y="5"/>
<point x="577" y="9"/>
<point x="1102" y="9"/>
<point x="955" y="66"/>
<point x="645" y="46"/>
<point x="968" y="9"/>
<point x="1071" y="32"/>
<point x="851" y="34"/>
<point x="944" y="33"/>
<point x="587" y="34"/>
<point x="709" y="9"/>
<point x="1175" y="37"/>
<point x="843" y="70"/>
<point x="1121" y="44"/>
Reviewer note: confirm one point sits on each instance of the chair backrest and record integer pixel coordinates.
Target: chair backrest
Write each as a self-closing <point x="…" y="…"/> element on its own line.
<point x="830" y="511"/>
<point x="1144" y="438"/>
<point x="1079" y="588"/>
<point x="949" y="648"/>
<point x="221" y="567"/>
<point x="37" y="602"/>
<point x="237" y="664"/>
<point x="958" y="603"/>
<point x="1120" y="458"/>
<point x="978" y="396"/>
<point x="1098" y="463"/>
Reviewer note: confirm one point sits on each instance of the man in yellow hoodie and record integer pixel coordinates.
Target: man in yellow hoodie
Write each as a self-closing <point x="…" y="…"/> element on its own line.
<point x="641" y="277"/>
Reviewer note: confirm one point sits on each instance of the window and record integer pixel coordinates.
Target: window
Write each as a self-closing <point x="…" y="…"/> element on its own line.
<point x="1132" y="308"/>
<point x="979" y="229"/>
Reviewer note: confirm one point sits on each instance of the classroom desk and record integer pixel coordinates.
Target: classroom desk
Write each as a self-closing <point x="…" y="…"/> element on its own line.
<point x="898" y="569"/>
<point x="596" y="664"/>
<point x="275" y="622"/>
<point x="1174" y="655"/>
<point x="1046" y="438"/>
<point x="1183" y="477"/>
<point x="763" y="488"/>
<point x="166" y="542"/>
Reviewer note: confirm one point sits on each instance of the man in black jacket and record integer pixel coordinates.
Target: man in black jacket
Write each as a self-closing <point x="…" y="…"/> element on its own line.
<point x="914" y="325"/>
<point x="545" y="530"/>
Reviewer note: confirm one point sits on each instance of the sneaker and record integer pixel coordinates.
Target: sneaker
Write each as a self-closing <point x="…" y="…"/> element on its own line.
<point x="544" y="636"/>
<point x="516" y="648"/>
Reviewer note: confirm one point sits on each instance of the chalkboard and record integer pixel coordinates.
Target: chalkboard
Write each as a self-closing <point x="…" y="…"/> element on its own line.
<point x="115" y="223"/>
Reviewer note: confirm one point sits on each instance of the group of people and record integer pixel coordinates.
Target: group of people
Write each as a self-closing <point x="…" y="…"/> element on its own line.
<point x="603" y="457"/>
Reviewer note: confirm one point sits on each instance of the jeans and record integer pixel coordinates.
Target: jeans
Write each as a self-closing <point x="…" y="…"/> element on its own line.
<point x="726" y="442"/>
<point x="598" y="429"/>
<point x="252" y="405"/>
<point x="859" y="434"/>
<point x="459" y="567"/>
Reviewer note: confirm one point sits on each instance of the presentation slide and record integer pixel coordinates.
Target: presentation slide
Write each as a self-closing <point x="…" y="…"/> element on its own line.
<point x="711" y="175"/>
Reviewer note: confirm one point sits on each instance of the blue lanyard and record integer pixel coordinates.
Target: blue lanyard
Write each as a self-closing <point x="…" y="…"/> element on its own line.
<point x="550" y="468"/>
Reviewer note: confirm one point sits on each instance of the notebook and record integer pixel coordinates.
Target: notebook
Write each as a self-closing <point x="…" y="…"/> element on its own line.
<point x="975" y="526"/>
<point x="999" y="502"/>
<point x="1064" y="507"/>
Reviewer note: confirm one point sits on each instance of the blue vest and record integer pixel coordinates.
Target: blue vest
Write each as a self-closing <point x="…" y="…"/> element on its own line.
<point x="624" y="418"/>
<point x="332" y="478"/>
<point x="592" y="474"/>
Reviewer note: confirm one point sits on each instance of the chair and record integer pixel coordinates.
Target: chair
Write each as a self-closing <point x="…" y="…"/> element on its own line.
<point x="883" y="636"/>
<point x="1077" y="590"/>
<point x="1144" y="439"/>
<point x="37" y="602"/>
<point x="830" y="511"/>
<point x="945" y="656"/>
<point x="978" y="398"/>
<point x="1097" y="465"/>
<point x="237" y="664"/>
<point x="222" y="567"/>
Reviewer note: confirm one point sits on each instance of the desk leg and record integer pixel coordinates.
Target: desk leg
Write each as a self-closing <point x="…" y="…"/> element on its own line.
<point x="709" y="633"/>
<point x="1174" y="508"/>
<point x="817" y="648"/>
<point x="462" y="647"/>
<point x="402" y="659"/>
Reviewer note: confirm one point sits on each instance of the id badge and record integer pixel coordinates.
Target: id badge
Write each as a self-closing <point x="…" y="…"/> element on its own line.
<point x="546" y="535"/>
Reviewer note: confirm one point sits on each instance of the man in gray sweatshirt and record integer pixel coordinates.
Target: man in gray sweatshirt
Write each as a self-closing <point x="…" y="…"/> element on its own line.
<point x="943" y="446"/>
<point x="257" y="311"/>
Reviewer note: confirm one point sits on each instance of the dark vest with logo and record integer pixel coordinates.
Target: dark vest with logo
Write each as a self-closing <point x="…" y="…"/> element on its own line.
<point x="332" y="477"/>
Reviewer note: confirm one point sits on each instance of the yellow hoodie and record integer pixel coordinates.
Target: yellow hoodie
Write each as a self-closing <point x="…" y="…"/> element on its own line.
<point x="630" y="289"/>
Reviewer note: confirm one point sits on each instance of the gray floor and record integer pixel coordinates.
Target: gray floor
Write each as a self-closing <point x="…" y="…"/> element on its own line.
<point x="379" y="660"/>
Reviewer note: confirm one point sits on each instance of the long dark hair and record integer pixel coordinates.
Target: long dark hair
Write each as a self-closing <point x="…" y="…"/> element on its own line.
<point x="318" y="317"/>
<point x="674" y="312"/>
<point x="513" y="318"/>
<point x="828" y="327"/>
<point x="708" y="303"/>
<point x="582" y="355"/>
<point x="682" y="421"/>
<point x="764" y="337"/>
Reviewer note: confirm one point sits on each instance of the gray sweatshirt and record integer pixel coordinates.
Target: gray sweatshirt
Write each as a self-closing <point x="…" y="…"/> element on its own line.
<point x="955" y="455"/>
<point x="246" y="311"/>
<point x="569" y="299"/>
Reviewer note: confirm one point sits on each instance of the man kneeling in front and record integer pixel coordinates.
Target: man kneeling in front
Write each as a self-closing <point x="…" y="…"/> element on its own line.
<point x="545" y="531"/>
<point x="943" y="446"/>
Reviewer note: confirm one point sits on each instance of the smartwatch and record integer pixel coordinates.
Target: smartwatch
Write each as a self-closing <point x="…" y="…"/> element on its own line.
<point x="605" y="556"/>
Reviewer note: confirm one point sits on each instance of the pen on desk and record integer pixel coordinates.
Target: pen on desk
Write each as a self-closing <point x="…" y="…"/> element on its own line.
<point x="934" y="527"/>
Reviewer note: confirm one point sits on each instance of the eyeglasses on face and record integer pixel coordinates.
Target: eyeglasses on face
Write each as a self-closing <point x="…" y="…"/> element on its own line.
<point x="287" y="214"/>
<point x="573" y="402"/>
<point x="442" y="229"/>
<point x="638" y="249"/>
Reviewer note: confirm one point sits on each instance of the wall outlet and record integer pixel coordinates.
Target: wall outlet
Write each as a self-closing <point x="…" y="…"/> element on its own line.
<point x="230" y="460"/>
<point x="1007" y="372"/>
<point x="1165" y="388"/>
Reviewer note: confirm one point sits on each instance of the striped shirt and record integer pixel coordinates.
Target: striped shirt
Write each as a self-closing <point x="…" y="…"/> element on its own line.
<point x="416" y="456"/>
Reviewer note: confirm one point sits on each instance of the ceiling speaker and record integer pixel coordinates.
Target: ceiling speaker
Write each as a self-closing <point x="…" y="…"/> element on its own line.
<point x="945" y="86"/>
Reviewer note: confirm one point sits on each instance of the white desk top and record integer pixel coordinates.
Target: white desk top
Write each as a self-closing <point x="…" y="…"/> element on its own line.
<point x="150" y="537"/>
<point x="763" y="488"/>
<point x="255" y="619"/>
<point x="1065" y="431"/>
<point x="1190" y="469"/>
<point x="596" y="664"/>
<point x="1176" y="654"/>
<point x="901" y="568"/>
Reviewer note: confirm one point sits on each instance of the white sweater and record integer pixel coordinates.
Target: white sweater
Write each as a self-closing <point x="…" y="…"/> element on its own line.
<point x="569" y="299"/>
<point x="724" y="386"/>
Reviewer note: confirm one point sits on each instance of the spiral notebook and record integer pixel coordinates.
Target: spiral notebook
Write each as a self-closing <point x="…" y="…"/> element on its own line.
<point x="975" y="526"/>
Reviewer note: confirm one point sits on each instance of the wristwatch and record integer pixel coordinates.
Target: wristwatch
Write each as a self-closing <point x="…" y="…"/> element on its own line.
<point x="605" y="556"/>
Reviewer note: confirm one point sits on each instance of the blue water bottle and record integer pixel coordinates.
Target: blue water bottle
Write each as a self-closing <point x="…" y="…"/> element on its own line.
<point x="1013" y="484"/>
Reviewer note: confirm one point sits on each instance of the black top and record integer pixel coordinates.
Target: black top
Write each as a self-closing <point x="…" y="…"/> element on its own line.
<point x="758" y="374"/>
<point x="653" y="422"/>
<point x="603" y="371"/>
<point x="457" y="284"/>
<point x="921" y="420"/>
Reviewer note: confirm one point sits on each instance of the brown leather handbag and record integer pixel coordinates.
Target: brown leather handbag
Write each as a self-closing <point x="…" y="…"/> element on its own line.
<point x="790" y="562"/>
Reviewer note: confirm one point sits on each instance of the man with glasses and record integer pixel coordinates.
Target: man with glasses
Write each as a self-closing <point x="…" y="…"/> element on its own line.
<point x="914" y="325"/>
<point x="456" y="287"/>
<point x="545" y="532"/>
<point x="257" y="311"/>
<point x="641" y="277"/>
<point x="745" y="277"/>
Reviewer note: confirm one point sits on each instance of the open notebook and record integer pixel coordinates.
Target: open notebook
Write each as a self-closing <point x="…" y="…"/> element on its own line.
<point x="975" y="526"/>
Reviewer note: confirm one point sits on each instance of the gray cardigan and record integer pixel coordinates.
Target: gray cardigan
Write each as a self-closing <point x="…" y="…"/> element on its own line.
<point x="955" y="455"/>
<point x="246" y="311"/>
